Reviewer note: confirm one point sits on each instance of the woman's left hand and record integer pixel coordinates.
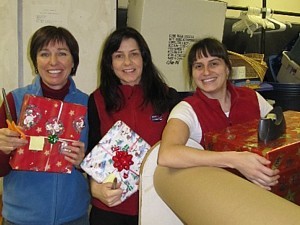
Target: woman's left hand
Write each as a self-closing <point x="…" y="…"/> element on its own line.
<point x="75" y="153"/>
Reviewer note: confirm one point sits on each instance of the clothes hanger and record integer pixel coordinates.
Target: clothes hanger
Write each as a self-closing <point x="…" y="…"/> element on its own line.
<point x="281" y="26"/>
<point x="250" y="21"/>
<point x="254" y="15"/>
<point x="245" y="24"/>
<point x="242" y="24"/>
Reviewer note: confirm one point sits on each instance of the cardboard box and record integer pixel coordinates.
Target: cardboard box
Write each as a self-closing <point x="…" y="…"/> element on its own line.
<point x="284" y="152"/>
<point x="289" y="71"/>
<point x="118" y="154"/>
<point x="171" y="26"/>
<point x="49" y="125"/>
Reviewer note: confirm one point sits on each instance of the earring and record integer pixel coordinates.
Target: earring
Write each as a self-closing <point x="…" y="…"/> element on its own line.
<point x="36" y="71"/>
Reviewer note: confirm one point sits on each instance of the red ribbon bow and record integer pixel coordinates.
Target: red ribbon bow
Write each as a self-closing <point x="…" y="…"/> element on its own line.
<point x="122" y="160"/>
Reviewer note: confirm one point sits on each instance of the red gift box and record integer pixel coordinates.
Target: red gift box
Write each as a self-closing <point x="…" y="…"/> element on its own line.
<point x="289" y="186"/>
<point x="284" y="152"/>
<point x="49" y="125"/>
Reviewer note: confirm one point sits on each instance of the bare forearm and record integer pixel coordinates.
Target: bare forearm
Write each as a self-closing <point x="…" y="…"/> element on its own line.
<point x="180" y="156"/>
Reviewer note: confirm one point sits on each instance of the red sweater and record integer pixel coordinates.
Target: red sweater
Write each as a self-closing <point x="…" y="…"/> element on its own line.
<point x="244" y="107"/>
<point x="138" y="118"/>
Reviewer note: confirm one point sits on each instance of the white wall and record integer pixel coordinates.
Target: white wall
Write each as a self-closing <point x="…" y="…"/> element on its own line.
<point x="89" y="21"/>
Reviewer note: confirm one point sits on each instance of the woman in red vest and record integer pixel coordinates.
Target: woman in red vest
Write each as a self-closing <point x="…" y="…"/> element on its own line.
<point x="132" y="90"/>
<point x="215" y="105"/>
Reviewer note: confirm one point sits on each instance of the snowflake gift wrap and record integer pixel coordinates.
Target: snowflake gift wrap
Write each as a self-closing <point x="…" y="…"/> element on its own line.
<point x="49" y="125"/>
<point x="119" y="153"/>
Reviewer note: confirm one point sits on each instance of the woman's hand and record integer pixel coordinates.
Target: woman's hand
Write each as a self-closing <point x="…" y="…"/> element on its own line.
<point x="75" y="153"/>
<point x="105" y="193"/>
<point x="254" y="168"/>
<point x="10" y="140"/>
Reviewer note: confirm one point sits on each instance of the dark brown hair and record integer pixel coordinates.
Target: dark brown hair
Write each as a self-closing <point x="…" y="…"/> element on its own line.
<point x="43" y="36"/>
<point x="205" y="47"/>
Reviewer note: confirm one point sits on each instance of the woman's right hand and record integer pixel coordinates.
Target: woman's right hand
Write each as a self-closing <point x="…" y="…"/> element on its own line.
<point x="105" y="193"/>
<point x="10" y="140"/>
<point x="255" y="168"/>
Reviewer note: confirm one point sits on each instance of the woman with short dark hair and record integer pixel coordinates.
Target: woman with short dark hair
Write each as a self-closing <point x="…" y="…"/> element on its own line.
<point x="31" y="197"/>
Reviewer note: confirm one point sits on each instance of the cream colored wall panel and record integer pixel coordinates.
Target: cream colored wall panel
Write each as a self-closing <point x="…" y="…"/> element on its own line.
<point x="8" y="45"/>
<point x="89" y="21"/>
<point x="122" y="3"/>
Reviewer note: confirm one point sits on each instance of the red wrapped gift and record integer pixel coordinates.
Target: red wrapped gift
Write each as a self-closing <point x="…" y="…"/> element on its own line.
<point x="49" y="125"/>
<point x="289" y="186"/>
<point x="284" y="152"/>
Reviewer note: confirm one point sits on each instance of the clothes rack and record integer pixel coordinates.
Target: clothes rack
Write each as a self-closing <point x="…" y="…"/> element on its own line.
<point x="286" y="13"/>
<point x="263" y="11"/>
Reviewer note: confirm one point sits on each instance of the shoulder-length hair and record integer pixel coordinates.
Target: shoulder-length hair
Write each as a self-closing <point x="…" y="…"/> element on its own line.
<point x="205" y="47"/>
<point x="153" y="85"/>
<point x="43" y="36"/>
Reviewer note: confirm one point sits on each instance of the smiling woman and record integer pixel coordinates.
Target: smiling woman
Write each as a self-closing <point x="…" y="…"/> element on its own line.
<point x="54" y="64"/>
<point x="131" y="90"/>
<point x="127" y="62"/>
<point x="215" y="105"/>
<point x="54" y="54"/>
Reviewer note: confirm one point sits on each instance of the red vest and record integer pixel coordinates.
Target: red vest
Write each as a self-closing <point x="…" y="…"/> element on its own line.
<point x="139" y="118"/>
<point x="244" y="107"/>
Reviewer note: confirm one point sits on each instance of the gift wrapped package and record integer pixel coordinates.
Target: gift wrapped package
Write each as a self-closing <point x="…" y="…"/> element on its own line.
<point x="49" y="125"/>
<point x="284" y="152"/>
<point x="118" y="154"/>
